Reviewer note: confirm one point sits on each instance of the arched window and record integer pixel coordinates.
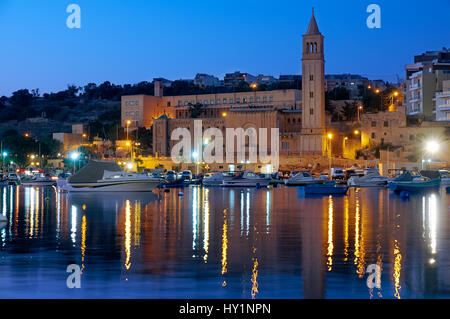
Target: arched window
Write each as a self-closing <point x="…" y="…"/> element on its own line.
<point x="315" y="47"/>
<point x="307" y="47"/>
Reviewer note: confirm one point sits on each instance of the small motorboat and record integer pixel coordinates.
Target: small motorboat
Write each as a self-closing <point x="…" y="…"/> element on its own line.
<point x="218" y="178"/>
<point x="329" y="188"/>
<point x="102" y="176"/>
<point x="445" y="177"/>
<point x="413" y="182"/>
<point x="304" y="178"/>
<point x="13" y="179"/>
<point x="372" y="179"/>
<point x="39" y="181"/>
<point x="248" y="179"/>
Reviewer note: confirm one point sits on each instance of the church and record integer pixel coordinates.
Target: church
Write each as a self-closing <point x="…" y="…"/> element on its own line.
<point x="299" y="115"/>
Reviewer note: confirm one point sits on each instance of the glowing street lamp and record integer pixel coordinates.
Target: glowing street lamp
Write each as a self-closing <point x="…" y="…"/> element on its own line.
<point x="431" y="147"/>
<point x="224" y="114"/>
<point x="330" y="137"/>
<point x="128" y="125"/>
<point x="74" y="157"/>
<point x="356" y="132"/>
<point x="359" y="111"/>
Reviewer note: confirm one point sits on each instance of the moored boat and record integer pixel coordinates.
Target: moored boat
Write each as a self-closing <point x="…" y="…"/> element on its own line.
<point x="304" y="178"/>
<point x="329" y="188"/>
<point x="372" y="179"/>
<point x="218" y="178"/>
<point x="413" y="182"/>
<point x="39" y="181"/>
<point x="248" y="179"/>
<point x="100" y="176"/>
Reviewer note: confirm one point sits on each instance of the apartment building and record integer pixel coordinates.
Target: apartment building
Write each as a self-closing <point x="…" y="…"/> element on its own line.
<point x="443" y="102"/>
<point x="424" y="78"/>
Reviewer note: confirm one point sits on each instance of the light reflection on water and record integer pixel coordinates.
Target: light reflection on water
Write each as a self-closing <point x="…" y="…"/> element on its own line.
<point x="224" y="243"/>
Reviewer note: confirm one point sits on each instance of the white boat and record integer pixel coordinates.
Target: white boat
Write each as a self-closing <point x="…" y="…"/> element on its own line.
<point x="304" y="178"/>
<point x="445" y="177"/>
<point x="218" y="179"/>
<point x="38" y="181"/>
<point x="248" y="179"/>
<point x="100" y="176"/>
<point x="372" y="179"/>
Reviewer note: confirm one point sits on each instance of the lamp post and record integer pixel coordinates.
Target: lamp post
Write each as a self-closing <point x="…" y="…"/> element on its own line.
<point x="330" y="137"/>
<point x="359" y="115"/>
<point x="74" y="156"/>
<point x="128" y="125"/>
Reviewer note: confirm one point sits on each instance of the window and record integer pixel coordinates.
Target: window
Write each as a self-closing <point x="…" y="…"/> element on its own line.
<point x="311" y="77"/>
<point x="168" y="103"/>
<point x="231" y="100"/>
<point x="311" y="111"/>
<point x="271" y="99"/>
<point x="285" y="145"/>
<point x="212" y="102"/>
<point x="238" y="100"/>
<point x="186" y="102"/>
<point x="289" y="121"/>
<point x="224" y="101"/>
<point x="373" y="135"/>
<point x="180" y="103"/>
<point x="311" y="94"/>
<point x="265" y="99"/>
<point x="244" y="100"/>
<point x="205" y="102"/>
<point x="293" y="121"/>
<point x="374" y="123"/>
<point x="251" y="99"/>
<point x="218" y="101"/>
<point x="258" y="99"/>
<point x="386" y="123"/>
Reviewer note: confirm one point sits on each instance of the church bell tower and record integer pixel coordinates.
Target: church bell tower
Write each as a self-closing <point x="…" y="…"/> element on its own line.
<point x="313" y="139"/>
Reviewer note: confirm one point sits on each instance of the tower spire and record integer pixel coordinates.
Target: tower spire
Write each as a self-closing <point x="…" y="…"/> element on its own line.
<point x="313" y="28"/>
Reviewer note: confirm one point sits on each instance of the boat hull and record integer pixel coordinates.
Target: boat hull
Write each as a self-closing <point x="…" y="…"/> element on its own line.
<point x="135" y="186"/>
<point x="246" y="183"/>
<point x="304" y="183"/>
<point x="414" y="186"/>
<point x="39" y="184"/>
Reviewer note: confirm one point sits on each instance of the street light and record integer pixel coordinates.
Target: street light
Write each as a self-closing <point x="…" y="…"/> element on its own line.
<point x="330" y="137"/>
<point x="224" y="114"/>
<point x="359" y="110"/>
<point x="74" y="156"/>
<point x="431" y="147"/>
<point x="128" y="124"/>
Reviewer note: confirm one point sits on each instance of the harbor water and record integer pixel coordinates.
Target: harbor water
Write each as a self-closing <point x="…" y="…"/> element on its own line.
<point x="224" y="243"/>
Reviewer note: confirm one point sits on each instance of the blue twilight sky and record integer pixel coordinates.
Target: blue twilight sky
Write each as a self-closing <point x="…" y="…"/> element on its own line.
<point x="136" y="40"/>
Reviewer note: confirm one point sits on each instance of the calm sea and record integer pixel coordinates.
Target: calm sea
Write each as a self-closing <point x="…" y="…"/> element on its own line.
<point x="224" y="243"/>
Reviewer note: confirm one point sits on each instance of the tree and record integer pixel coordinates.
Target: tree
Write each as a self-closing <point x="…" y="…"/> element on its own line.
<point x="196" y="110"/>
<point x="21" y="98"/>
<point x="350" y="110"/>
